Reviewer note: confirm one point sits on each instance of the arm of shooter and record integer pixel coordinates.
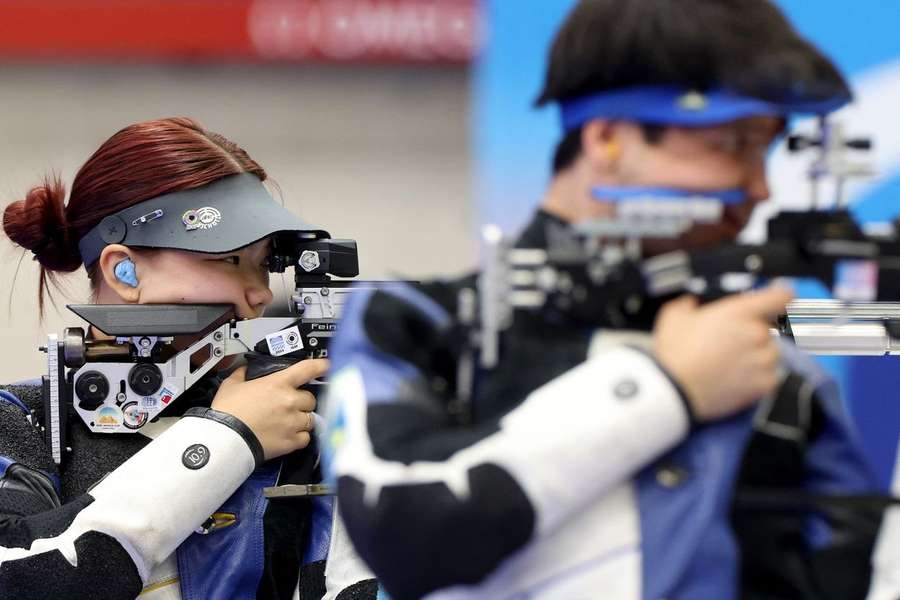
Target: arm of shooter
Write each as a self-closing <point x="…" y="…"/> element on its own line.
<point x="431" y="504"/>
<point x="112" y="536"/>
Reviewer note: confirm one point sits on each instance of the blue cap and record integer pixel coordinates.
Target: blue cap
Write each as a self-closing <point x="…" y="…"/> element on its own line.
<point x="669" y="105"/>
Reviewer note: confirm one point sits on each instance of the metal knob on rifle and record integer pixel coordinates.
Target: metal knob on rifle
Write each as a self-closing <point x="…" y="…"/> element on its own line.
<point x="892" y="327"/>
<point x="859" y="144"/>
<point x="73" y="347"/>
<point x="145" y="379"/>
<point x="800" y="142"/>
<point x="91" y="389"/>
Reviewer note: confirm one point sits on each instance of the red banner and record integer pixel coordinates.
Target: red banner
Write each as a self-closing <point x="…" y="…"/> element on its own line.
<point x="413" y="31"/>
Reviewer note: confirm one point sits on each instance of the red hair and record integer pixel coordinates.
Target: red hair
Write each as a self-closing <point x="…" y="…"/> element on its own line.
<point x="139" y="162"/>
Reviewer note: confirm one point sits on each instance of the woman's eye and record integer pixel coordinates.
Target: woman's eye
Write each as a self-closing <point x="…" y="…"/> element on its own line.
<point x="235" y="260"/>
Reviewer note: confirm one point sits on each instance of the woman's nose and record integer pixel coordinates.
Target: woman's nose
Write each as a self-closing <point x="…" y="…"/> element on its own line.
<point x="259" y="296"/>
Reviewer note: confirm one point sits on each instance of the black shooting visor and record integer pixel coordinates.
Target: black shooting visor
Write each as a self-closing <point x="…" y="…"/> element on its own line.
<point x="223" y="216"/>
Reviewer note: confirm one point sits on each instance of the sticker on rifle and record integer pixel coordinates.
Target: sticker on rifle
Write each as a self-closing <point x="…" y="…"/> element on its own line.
<point x="109" y="417"/>
<point x="149" y="402"/>
<point x="856" y="280"/>
<point x="284" y="341"/>
<point x="166" y="395"/>
<point x="133" y="416"/>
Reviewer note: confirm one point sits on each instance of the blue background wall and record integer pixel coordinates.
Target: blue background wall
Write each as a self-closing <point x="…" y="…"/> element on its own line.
<point x="514" y="142"/>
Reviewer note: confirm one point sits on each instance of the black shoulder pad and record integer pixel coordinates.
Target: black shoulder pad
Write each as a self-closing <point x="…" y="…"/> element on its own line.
<point x="399" y="328"/>
<point x="105" y="571"/>
<point x="30" y="396"/>
<point x="20" y="532"/>
<point x="421" y="538"/>
<point x="22" y="442"/>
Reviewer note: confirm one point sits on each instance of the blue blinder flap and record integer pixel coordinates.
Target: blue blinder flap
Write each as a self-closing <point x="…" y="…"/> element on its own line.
<point x="634" y="193"/>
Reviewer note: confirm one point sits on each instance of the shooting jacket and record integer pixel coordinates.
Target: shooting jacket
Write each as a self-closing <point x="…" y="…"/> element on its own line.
<point x="173" y="512"/>
<point x="577" y="471"/>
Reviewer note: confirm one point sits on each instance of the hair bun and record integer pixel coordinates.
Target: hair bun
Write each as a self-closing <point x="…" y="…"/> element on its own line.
<point x="38" y="223"/>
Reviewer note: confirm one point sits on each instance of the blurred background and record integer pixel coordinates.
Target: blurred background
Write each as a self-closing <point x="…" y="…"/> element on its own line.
<point x="405" y="124"/>
<point x="358" y="110"/>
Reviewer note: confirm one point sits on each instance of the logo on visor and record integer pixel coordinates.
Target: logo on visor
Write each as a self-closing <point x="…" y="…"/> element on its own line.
<point x="692" y="100"/>
<point x="201" y="218"/>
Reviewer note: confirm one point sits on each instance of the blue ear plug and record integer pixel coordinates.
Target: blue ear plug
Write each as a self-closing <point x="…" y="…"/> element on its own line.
<point x="125" y="272"/>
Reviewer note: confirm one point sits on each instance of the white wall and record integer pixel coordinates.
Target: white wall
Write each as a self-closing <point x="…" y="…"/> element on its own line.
<point x="379" y="155"/>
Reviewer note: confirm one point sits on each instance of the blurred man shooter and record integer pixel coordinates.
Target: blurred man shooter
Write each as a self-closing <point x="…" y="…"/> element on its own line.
<point x="591" y="468"/>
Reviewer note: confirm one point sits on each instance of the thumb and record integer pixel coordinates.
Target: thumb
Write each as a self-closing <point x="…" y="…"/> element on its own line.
<point x="768" y="302"/>
<point x="304" y="371"/>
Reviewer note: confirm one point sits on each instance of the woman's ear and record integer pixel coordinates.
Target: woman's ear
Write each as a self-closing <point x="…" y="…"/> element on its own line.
<point x="117" y="264"/>
<point x="601" y="145"/>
